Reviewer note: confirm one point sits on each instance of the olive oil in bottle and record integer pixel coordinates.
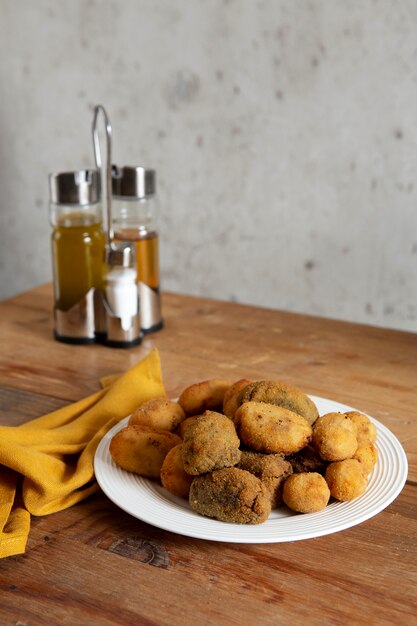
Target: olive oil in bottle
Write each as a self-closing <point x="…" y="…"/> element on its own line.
<point x="77" y="253"/>
<point x="77" y="250"/>
<point x="134" y="208"/>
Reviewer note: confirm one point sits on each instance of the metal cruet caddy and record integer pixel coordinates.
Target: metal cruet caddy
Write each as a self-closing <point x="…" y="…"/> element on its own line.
<point x="96" y="295"/>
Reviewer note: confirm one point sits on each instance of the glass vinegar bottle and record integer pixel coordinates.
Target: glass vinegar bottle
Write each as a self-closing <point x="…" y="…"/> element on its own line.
<point x="134" y="206"/>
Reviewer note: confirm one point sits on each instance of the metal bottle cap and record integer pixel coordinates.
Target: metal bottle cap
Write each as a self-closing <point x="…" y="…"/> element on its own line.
<point x="121" y="255"/>
<point x="80" y="187"/>
<point x="133" y="181"/>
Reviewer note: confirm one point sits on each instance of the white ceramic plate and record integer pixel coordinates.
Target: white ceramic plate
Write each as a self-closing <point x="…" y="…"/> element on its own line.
<point x="150" y="502"/>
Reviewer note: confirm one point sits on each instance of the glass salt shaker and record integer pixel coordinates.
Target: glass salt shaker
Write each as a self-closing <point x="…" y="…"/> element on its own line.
<point x="121" y="297"/>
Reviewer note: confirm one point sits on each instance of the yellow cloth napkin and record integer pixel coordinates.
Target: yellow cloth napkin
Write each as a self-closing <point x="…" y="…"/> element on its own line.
<point x="46" y="465"/>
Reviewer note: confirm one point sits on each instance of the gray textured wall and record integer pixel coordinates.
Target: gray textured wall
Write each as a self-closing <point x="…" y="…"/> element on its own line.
<point x="284" y="134"/>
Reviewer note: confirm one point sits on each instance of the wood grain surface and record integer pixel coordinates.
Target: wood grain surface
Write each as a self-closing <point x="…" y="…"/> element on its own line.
<point x="94" y="564"/>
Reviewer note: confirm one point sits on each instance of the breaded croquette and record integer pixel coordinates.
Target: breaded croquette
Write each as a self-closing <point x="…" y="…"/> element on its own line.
<point x="173" y="475"/>
<point x="307" y="460"/>
<point x="365" y="429"/>
<point x="142" y="450"/>
<point x="346" y="479"/>
<point x="272" y="429"/>
<point x="367" y="456"/>
<point x="334" y="437"/>
<point x="158" y="413"/>
<point x="280" y="394"/>
<point x="206" y="395"/>
<point x="306" y="492"/>
<point x="182" y="426"/>
<point x="271" y="469"/>
<point x="210" y="443"/>
<point x="231" y="495"/>
<point x="230" y="400"/>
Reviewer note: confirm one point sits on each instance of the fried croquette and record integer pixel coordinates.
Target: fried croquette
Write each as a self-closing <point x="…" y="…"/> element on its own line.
<point x="367" y="456"/>
<point x="231" y="495"/>
<point x="272" y="429"/>
<point x="230" y="400"/>
<point x="334" y="437"/>
<point x="307" y="460"/>
<point x="365" y="429"/>
<point x="173" y="475"/>
<point x="346" y="479"/>
<point x="271" y="469"/>
<point x="182" y="426"/>
<point x="210" y="443"/>
<point x="142" y="450"/>
<point x="306" y="492"/>
<point x="206" y="395"/>
<point x="280" y="394"/>
<point x="158" y="413"/>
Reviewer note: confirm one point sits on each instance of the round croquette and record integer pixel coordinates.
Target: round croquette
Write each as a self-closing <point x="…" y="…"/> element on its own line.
<point x="306" y="492"/>
<point x="334" y="437"/>
<point x="367" y="456"/>
<point x="346" y="479"/>
<point x="365" y="429"/>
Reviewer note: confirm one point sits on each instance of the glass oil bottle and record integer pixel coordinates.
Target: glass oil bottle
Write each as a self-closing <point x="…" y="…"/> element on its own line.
<point x="77" y="252"/>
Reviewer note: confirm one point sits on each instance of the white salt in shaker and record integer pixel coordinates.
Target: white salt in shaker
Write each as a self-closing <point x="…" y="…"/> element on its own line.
<point x="121" y="299"/>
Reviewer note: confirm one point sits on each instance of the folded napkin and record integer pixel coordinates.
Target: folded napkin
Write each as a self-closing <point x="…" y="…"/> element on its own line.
<point x="46" y="465"/>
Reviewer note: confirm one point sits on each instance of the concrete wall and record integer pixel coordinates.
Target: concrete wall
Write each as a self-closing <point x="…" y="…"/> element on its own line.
<point x="284" y="134"/>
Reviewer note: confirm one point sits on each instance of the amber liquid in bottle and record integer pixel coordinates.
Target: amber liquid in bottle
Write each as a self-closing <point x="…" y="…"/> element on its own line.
<point x="147" y="256"/>
<point x="77" y="250"/>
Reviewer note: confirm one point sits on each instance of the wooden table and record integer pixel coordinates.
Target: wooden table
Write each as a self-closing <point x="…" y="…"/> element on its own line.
<point x="94" y="564"/>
